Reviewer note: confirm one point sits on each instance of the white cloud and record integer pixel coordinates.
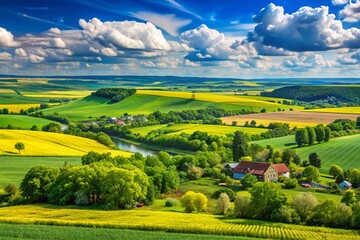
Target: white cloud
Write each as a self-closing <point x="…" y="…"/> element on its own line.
<point x="351" y="12"/>
<point x="307" y="29"/>
<point x="55" y="31"/>
<point x="168" y="22"/>
<point x="36" y="59"/>
<point x="109" y="52"/>
<point x="306" y="60"/>
<point x="5" y="56"/>
<point x="339" y="2"/>
<point x="19" y="52"/>
<point x="7" y="39"/>
<point x="57" y="42"/>
<point x="125" y="34"/>
<point x="352" y="58"/>
<point x="116" y="67"/>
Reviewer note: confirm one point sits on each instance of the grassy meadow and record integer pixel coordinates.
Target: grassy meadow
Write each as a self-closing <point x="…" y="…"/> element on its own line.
<point x="142" y="219"/>
<point x="190" y="128"/>
<point x="343" y="151"/>
<point x="13" y="169"/>
<point x="39" y="143"/>
<point x="22" y="121"/>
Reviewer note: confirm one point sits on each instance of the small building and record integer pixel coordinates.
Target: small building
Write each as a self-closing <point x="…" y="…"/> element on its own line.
<point x="112" y="119"/>
<point x="345" y="185"/>
<point x="263" y="171"/>
<point x="231" y="166"/>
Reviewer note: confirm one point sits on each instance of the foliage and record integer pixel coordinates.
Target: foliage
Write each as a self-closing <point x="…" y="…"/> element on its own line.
<point x="241" y="206"/>
<point x="230" y="193"/>
<point x="354" y="177"/>
<point x="114" y="94"/>
<point x="311" y="135"/>
<point x="301" y="137"/>
<point x="248" y="181"/>
<point x="239" y="146"/>
<point x="304" y="203"/>
<point x="336" y="171"/>
<point x="171" y="202"/>
<point x="36" y="182"/>
<point x="311" y="173"/>
<point x="315" y="160"/>
<point x="349" y="197"/>
<point x="11" y="189"/>
<point x="222" y="204"/>
<point x="192" y="201"/>
<point x="19" y="146"/>
<point x="291" y="183"/>
<point x="52" y="127"/>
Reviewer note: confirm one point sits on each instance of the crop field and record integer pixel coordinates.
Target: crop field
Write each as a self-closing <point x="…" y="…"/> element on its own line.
<point x="13" y="169"/>
<point x="59" y="94"/>
<point x="43" y="232"/>
<point x="343" y="151"/>
<point x="148" y="101"/>
<point x="190" y="128"/>
<point x="141" y="219"/>
<point x="17" y="107"/>
<point x="39" y="143"/>
<point x="22" y="121"/>
<point x="294" y="118"/>
<point x="345" y="110"/>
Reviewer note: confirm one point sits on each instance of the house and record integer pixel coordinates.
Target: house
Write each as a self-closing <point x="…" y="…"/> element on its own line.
<point x="119" y="122"/>
<point x="345" y="185"/>
<point x="263" y="171"/>
<point x="112" y="119"/>
<point x="231" y="165"/>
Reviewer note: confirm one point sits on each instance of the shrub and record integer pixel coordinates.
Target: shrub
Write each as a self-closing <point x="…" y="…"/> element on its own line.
<point x="81" y="199"/>
<point x="171" y="202"/>
<point x="11" y="189"/>
<point x="228" y="191"/>
<point x="291" y="183"/>
<point x="222" y="204"/>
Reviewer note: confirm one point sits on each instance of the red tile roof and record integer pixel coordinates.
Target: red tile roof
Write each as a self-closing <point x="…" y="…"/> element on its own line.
<point x="281" y="168"/>
<point x="255" y="168"/>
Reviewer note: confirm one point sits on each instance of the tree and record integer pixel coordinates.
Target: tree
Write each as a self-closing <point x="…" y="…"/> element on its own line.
<point x="301" y="137"/>
<point x="327" y="134"/>
<point x="289" y="155"/>
<point x="241" y="206"/>
<point x="11" y="189"/>
<point x="358" y="122"/>
<point x="5" y="111"/>
<point x="192" y="201"/>
<point x="51" y="127"/>
<point x="320" y="133"/>
<point x="222" y="204"/>
<point x="323" y="214"/>
<point x="36" y="182"/>
<point x="304" y="203"/>
<point x="311" y="135"/>
<point x="266" y="198"/>
<point x="356" y="215"/>
<point x="311" y="173"/>
<point x="336" y="171"/>
<point x="248" y="181"/>
<point x="315" y="160"/>
<point x="354" y="177"/>
<point x="20" y="146"/>
<point x="239" y="146"/>
<point x="34" y="128"/>
<point x="349" y="197"/>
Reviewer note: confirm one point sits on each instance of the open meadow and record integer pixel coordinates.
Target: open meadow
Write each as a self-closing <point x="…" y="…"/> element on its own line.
<point x="142" y="219"/>
<point x="293" y="118"/>
<point x="190" y="128"/>
<point x="22" y="121"/>
<point x="39" y="143"/>
<point x="343" y="151"/>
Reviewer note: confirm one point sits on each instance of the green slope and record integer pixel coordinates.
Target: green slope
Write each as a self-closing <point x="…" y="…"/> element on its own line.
<point x="343" y="151"/>
<point x="22" y="121"/>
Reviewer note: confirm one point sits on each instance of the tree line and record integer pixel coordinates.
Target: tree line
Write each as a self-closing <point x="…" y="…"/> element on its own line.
<point x="114" y="94"/>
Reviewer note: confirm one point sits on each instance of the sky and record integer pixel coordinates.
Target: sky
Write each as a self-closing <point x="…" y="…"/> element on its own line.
<point x="209" y="38"/>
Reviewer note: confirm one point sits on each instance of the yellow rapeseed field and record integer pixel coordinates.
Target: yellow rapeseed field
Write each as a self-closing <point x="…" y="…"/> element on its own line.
<point x="17" y="107"/>
<point x="39" y="143"/>
<point x="144" y="219"/>
<point x="59" y="94"/>
<point x="351" y="110"/>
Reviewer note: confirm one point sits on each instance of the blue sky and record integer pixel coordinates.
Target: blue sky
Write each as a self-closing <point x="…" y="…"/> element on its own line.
<point x="228" y="38"/>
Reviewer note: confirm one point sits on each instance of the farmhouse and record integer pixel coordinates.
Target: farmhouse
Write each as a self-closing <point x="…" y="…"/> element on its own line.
<point x="345" y="185"/>
<point x="263" y="171"/>
<point x="231" y="166"/>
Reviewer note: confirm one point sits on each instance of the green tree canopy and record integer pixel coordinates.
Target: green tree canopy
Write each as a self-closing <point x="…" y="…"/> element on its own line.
<point x="20" y="146"/>
<point x="239" y="146"/>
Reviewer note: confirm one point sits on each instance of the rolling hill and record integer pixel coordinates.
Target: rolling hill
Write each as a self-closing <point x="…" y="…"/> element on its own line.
<point x="22" y="121"/>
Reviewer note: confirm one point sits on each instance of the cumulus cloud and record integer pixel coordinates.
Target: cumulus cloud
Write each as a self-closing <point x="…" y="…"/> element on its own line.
<point x="36" y="59"/>
<point x="5" y="56"/>
<point x="125" y="34"/>
<point x="339" y="2"/>
<point x="351" y="13"/>
<point x="57" y="42"/>
<point x="7" y="39"/>
<point x="307" y="29"/>
<point x="108" y="52"/>
<point x="19" y="52"/>
<point x="169" y="22"/>
<point x="55" y="31"/>
<point x="350" y="59"/>
<point x="306" y="60"/>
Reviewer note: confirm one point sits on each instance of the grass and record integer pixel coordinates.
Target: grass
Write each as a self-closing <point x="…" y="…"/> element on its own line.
<point x="13" y="169"/>
<point x="43" y="232"/>
<point x="352" y="110"/>
<point x="142" y="219"/>
<point x="39" y="143"/>
<point x="343" y="151"/>
<point x="190" y="128"/>
<point x="22" y="121"/>
<point x="148" y="101"/>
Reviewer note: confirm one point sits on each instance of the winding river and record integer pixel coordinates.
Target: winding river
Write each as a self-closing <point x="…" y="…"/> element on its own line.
<point x="130" y="147"/>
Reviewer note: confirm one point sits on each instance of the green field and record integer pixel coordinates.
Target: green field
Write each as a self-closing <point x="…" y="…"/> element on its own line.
<point x="190" y="128"/>
<point x="43" y="232"/>
<point x="147" y="101"/>
<point x="22" y="121"/>
<point x="13" y="169"/>
<point x="343" y="151"/>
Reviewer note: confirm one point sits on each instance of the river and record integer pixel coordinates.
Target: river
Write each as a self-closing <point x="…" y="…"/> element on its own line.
<point x="130" y="147"/>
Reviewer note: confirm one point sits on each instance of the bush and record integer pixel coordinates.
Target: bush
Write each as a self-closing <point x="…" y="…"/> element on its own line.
<point x="81" y="199"/>
<point x="228" y="191"/>
<point x="291" y="183"/>
<point x="171" y="202"/>
<point x="11" y="189"/>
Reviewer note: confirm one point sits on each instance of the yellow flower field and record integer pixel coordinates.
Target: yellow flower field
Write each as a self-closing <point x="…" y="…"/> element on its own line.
<point x="352" y="110"/>
<point x="17" y="107"/>
<point x="39" y="143"/>
<point x="143" y="219"/>
<point x="59" y="94"/>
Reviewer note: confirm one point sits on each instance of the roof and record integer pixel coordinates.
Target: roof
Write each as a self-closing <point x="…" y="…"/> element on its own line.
<point x="281" y="168"/>
<point x="255" y="168"/>
<point x="231" y="165"/>
<point x="347" y="183"/>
